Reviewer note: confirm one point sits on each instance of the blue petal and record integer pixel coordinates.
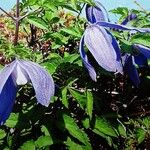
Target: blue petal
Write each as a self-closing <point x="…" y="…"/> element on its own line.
<point x="132" y="16"/>
<point x="141" y="60"/>
<point x="121" y="27"/>
<point x="130" y="68"/>
<point x="89" y="14"/>
<point x="5" y="73"/>
<point x="7" y="99"/>
<point x="89" y="67"/>
<point x="96" y="13"/>
<point x="116" y="47"/>
<point x="143" y="49"/>
<point x="42" y="82"/>
<point x="99" y="43"/>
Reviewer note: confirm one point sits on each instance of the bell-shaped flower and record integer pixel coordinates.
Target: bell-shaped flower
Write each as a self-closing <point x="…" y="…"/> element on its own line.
<point x="130" y="62"/>
<point x="96" y="13"/>
<point x="102" y="45"/>
<point x="130" y="69"/>
<point x="104" y="49"/>
<point x="19" y="72"/>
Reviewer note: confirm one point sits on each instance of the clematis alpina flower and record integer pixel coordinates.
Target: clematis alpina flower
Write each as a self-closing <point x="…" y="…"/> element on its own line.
<point x="130" y="69"/>
<point x="96" y="13"/>
<point x="104" y="49"/>
<point x="99" y="41"/>
<point x="141" y="59"/>
<point x="19" y="72"/>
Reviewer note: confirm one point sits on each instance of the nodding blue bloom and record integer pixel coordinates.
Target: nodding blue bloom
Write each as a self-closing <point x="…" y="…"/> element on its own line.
<point x="19" y="72"/>
<point x="141" y="60"/>
<point x="130" y="17"/>
<point x="103" y="47"/>
<point x="130" y="69"/>
<point x="96" y="13"/>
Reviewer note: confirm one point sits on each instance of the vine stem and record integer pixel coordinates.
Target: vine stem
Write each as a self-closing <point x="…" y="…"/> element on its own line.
<point x="17" y="23"/>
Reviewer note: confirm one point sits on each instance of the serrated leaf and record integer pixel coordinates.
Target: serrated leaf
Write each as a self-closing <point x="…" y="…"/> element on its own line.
<point x="140" y="135"/>
<point x="29" y="145"/>
<point x="80" y="97"/>
<point x="38" y="22"/>
<point x="72" y="31"/>
<point x="89" y="104"/>
<point x="64" y="96"/>
<point x="105" y="127"/>
<point x="75" y="131"/>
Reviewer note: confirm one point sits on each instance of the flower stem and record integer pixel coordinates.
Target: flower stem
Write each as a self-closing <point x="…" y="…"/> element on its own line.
<point x="17" y="23"/>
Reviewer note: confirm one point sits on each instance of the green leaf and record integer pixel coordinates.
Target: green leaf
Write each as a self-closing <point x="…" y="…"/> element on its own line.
<point x="122" y="130"/>
<point x="101" y="125"/>
<point x="79" y="96"/>
<point x="71" y="57"/>
<point x="29" y="145"/>
<point x="73" y="146"/>
<point x="45" y="130"/>
<point x="140" y="135"/>
<point x="146" y="122"/>
<point x="64" y="97"/>
<point x="89" y="104"/>
<point x="86" y="123"/>
<point x="75" y="131"/>
<point x="38" y="22"/>
<point x="2" y="134"/>
<point x="72" y="31"/>
<point x="44" y="141"/>
<point x="143" y="39"/>
<point x="12" y="120"/>
<point x="121" y="11"/>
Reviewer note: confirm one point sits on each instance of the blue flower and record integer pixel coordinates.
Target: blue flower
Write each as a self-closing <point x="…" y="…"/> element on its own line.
<point x="96" y="13"/>
<point x="99" y="41"/>
<point x="104" y="49"/>
<point x="19" y="72"/>
<point x="130" y="69"/>
<point x="130" y="17"/>
<point x="141" y="59"/>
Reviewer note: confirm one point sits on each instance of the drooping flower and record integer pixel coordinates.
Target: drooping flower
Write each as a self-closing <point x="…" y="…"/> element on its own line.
<point x="19" y="72"/>
<point x="99" y="41"/>
<point x="96" y="13"/>
<point x="104" y="49"/>
<point x="141" y="59"/>
<point x="130" y="69"/>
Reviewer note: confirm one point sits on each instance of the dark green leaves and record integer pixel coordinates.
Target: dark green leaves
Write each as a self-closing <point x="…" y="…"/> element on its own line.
<point x="104" y="127"/>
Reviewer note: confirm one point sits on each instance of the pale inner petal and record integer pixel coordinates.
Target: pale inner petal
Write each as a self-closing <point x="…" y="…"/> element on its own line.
<point x="21" y="78"/>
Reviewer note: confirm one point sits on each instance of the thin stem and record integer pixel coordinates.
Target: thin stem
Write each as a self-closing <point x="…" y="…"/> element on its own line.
<point x="80" y="11"/>
<point x="7" y="14"/>
<point x="17" y="22"/>
<point x="141" y="7"/>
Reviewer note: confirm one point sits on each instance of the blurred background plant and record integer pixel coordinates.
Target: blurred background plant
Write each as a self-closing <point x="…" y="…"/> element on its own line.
<point x="108" y="114"/>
